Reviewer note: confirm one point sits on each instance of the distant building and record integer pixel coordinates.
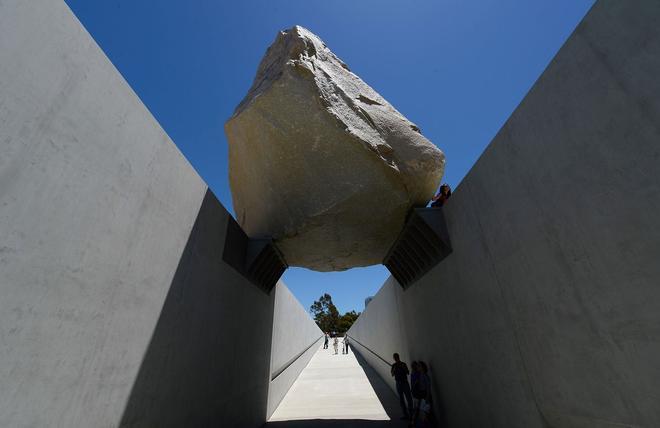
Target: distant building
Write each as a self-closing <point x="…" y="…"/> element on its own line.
<point x="367" y="300"/>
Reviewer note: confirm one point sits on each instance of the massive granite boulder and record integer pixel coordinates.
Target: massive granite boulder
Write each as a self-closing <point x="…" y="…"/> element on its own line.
<point x="321" y="162"/>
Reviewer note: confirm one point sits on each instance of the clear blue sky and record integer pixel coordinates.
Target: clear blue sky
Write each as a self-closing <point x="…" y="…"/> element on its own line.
<point x="457" y="68"/>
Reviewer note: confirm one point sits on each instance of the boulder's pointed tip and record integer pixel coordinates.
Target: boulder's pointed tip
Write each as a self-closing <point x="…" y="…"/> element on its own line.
<point x="296" y="30"/>
<point x="299" y="28"/>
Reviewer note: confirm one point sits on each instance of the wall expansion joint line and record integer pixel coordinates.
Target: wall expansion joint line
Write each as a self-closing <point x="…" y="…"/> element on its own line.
<point x="370" y="350"/>
<point x="293" y="360"/>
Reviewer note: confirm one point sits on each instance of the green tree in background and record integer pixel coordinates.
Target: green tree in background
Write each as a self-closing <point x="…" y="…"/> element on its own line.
<point x="325" y="313"/>
<point x="346" y="321"/>
<point x="327" y="316"/>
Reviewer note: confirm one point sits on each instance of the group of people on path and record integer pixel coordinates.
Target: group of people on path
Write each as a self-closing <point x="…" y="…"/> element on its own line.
<point x="345" y="342"/>
<point x="414" y="397"/>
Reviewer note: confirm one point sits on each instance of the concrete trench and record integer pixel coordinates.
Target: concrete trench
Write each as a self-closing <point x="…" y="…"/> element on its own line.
<point x="112" y="282"/>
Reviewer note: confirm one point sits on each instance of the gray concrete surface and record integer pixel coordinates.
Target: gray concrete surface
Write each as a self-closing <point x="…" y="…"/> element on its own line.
<point x="387" y="399"/>
<point x="207" y="361"/>
<point x="379" y="331"/>
<point x="332" y="386"/>
<point x="548" y="311"/>
<point x="115" y="306"/>
<point x="296" y="337"/>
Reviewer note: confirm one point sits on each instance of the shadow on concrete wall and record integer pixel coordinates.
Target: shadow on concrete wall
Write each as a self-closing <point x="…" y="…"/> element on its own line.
<point x="389" y="399"/>
<point x="198" y="370"/>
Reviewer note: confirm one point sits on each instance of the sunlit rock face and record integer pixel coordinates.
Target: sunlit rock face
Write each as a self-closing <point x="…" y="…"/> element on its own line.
<point x="321" y="162"/>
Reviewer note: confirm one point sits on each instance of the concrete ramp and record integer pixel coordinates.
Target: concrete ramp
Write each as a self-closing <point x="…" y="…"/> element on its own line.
<point x="332" y="386"/>
<point x="547" y="313"/>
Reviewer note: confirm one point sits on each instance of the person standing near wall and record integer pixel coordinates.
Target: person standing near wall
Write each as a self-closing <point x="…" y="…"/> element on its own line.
<point x="345" y="341"/>
<point x="400" y="372"/>
<point x="325" y="340"/>
<point x="414" y="389"/>
<point x="426" y="404"/>
<point x="420" y="386"/>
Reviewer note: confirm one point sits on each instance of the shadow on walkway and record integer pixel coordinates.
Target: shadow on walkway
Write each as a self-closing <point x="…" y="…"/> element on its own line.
<point x="386" y="396"/>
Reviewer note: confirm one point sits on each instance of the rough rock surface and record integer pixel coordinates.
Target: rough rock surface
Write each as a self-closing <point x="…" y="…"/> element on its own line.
<point x="321" y="162"/>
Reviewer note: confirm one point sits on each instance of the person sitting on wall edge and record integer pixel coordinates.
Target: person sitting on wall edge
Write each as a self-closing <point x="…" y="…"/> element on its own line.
<point x="442" y="196"/>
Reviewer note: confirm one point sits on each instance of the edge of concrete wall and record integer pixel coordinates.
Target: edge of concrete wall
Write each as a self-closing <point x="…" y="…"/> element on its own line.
<point x="116" y="307"/>
<point x="296" y="338"/>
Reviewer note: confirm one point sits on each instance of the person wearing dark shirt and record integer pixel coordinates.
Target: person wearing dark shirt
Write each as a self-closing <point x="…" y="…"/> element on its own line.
<point x="442" y="197"/>
<point x="424" y="414"/>
<point x="414" y="389"/>
<point x="400" y="372"/>
<point x="420" y="387"/>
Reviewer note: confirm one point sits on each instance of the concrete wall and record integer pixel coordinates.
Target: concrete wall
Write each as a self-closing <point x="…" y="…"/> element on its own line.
<point x="115" y="305"/>
<point x="296" y="338"/>
<point x="379" y="331"/>
<point x="548" y="311"/>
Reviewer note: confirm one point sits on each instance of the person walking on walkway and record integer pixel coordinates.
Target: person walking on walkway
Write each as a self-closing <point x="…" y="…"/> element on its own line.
<point x="400" y="372"/>
<point x="345" y="341"/>
<point x="335" y="344"/>
<point x="325" y="340"/>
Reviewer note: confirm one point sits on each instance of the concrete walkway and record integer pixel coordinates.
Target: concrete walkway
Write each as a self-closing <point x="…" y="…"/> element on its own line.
<point x="337" y="391"/>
